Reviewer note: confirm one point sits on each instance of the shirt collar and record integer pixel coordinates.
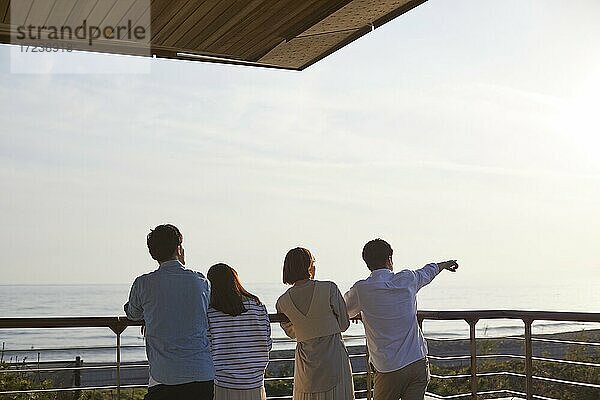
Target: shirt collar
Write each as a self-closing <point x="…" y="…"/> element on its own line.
<point x="380" y="272"/>
<point x="170" y="264"/>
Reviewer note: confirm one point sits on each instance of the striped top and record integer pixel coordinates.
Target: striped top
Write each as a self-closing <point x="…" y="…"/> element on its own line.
<point x="240" y="346"/>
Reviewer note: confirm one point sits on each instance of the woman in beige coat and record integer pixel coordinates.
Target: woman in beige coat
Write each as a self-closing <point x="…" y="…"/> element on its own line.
<point x="317" y="315"/>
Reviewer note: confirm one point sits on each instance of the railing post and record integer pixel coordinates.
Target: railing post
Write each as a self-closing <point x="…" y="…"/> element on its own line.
<point x="77" y="376"/>
<point x="473" y="349"/>
<point x="369" y="374"/>
<point x="118" y="366"/>
<point x="118" y="328"/>
<point x="528" y="360"/>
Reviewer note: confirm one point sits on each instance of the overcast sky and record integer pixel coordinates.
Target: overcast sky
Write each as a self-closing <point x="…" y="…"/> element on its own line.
<point x="464" y="129"/>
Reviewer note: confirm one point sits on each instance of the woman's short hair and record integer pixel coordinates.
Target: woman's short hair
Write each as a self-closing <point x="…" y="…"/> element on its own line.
<point x="376" y="253"/>
<point x="162" y="242"/>
<point x="296" y="264"/>
<point x="227" y="293"/>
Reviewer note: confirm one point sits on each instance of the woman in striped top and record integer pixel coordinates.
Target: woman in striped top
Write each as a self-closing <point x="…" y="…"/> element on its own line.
<point x="240" y="335"/>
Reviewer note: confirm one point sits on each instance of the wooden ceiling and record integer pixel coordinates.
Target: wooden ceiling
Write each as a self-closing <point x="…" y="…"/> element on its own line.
<point x="289" y="34"/>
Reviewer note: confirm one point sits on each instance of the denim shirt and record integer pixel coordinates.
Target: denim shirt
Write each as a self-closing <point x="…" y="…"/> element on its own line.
<point x="173" y="302"/>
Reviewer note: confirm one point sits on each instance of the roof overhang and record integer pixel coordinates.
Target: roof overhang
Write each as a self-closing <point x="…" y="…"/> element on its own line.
<point x="288" y="34"/>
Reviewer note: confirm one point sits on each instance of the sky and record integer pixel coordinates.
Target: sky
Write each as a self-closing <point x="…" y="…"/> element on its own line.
<point x="462" y="130"/>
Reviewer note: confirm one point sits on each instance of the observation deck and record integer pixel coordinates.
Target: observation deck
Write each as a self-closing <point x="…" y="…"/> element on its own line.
<point x="474" y="368"/>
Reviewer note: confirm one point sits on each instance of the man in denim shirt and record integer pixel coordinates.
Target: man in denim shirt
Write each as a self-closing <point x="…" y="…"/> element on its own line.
<point x="173" y="302"/>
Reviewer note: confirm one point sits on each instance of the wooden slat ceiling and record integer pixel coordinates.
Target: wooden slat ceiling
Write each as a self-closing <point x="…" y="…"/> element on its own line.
<point x="289" y="34"/>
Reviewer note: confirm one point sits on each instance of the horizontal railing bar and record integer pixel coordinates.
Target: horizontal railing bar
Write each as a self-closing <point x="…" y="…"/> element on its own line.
<point x="502" y="392"/>
<point x="283" y="378"/>
<point x="452" y="396"/>
<point x="140" y="346"/>
<point x="449" y="358"/>
<point x="488" y="392"/>
<point x="524" y="395"/>
<point x="565" y="341"/>
<point x="449" y="376"/>
<point x="92" y="368"/>
<point x="432" y="357"/>
<point x="510" y="314"/>
<point x="479" y="374"/>
<point x="122" y="321"/>
<point x="501" y="356"/>
<point x="501" y="373"/>
<point x="565" y="382"/>
<point x="281" y="359"/>
<point x="66" y="322"/>
<point x="519" y="375"/>
<point x="554" y="360"/>
<point x="35" y="350"/>
<point x="56" y="390"/>
<point x="131" y="346"/>
<point x="58" y="369"/>
<point x="537" y="339"/>
<point x="536" y="396"/>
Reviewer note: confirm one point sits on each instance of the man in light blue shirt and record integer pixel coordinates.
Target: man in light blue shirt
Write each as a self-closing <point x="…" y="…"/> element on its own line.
<point x="173" y="302"/>
<point x="387" y="304"/>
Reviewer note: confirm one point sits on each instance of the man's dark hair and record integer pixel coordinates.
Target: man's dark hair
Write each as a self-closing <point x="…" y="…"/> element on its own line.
<point x="376" y="253"/>
<point x="296" y="264"/>
<point x="163" y="241"/>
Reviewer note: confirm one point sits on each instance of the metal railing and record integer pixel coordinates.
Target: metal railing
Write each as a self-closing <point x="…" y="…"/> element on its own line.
<point x="118" y="325"/>
<point x="527" y="317"/>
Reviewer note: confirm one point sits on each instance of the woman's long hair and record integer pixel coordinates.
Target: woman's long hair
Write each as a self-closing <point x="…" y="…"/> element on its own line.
<point x="227" y="293"/>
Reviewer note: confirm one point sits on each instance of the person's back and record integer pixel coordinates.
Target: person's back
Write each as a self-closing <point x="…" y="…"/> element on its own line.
<point x="387" y="304"/>
<point x="317" y="316"/>
<point x="240" y="335"/>
<point x="388" y="307"/>
<point x="173" y="302"/>
<point x="240" y="346"/>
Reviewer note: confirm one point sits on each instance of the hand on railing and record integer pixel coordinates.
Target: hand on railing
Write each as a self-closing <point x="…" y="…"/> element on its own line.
<point x="356" y="319"/>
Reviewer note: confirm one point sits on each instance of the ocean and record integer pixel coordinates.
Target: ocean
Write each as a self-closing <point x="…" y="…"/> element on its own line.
<point x="96" y="345"/>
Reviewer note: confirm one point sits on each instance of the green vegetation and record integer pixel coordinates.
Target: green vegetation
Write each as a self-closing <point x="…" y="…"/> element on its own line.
<point x="20" y="378"/>
<point x="446" y="387"/>
<point x="569" y="372"/>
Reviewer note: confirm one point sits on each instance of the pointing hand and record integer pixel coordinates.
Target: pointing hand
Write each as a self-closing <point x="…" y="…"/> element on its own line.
<point x="450" y="265"/>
